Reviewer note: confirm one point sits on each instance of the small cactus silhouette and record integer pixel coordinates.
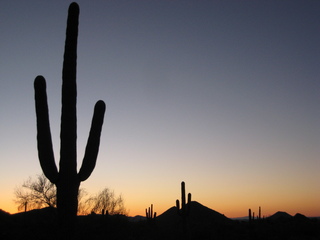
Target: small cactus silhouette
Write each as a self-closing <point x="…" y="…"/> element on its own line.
<point x="259" y="212"/>
<point x="67" y="179"/>
<point x="149" y="213"/>
<point x="185" y="208"/>
<point x="184" y="211"/>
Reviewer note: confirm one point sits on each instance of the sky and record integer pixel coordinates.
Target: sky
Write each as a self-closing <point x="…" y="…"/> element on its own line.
<point x="223" y="95"/>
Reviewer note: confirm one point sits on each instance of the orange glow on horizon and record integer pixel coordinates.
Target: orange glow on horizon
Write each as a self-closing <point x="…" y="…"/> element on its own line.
<point x="266" y="211"/>
<point x="224" y="205"/>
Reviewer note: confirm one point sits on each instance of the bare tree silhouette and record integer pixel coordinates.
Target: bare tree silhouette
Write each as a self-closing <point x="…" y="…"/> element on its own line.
<point x="35" y="194"/>
<point x="106" y="201"/>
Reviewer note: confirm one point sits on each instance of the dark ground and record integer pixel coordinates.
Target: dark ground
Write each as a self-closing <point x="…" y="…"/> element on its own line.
<point x="41" y="224"/>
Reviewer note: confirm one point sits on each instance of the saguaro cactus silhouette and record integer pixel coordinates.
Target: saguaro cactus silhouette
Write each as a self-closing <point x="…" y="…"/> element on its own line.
<point x="185" y="208"/>
<point x="184" y="211"/>
<point x="67" y="179"/>
<point x="149" y="213"/>
<point x="259" y="213"/>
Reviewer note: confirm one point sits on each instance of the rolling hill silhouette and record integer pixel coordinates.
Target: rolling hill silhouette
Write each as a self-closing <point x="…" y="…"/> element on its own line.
<point x="199" y="214"/>
<point x="202" y="223"/>
<point x="301" y="217"/>
<point x="280" y="216"/>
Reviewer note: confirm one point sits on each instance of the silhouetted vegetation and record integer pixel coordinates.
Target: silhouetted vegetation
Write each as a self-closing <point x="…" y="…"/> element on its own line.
<point x="106" y="202"/>
<point x="40" y="193"/>
<point x="67" y="180"/>
<point x="149" y="213"/>
<point x="35" y="194"/>
<point x="184" y="211"/>
<point x="151" y="218"/>
<point x="203" y="223"/>
<point x="186" y="220"/>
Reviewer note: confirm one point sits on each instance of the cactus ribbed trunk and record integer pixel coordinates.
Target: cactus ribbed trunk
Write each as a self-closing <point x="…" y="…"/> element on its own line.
<point x="67" y="200"/>
<point x="68" y="184"/>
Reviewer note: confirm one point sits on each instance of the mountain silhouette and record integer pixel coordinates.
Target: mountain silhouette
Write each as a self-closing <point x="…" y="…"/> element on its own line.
<point x="199" y="214"/>
<point x="280" y="216"/>
<point x="36" y="216"/>
<point x="301" y="217"/>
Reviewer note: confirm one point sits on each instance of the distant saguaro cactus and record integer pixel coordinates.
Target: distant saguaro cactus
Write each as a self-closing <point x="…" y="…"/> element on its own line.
<point x="185" y="208"/>
<point x="149" y="213"/>
<point x="259" y="212"/>
<point x="67" y="179"/>
<point x="184" y="211"/>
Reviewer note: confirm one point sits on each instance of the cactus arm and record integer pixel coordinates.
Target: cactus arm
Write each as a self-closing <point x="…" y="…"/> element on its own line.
<point x="92" y="148"/>
<point x="45" y="150"/>
<point x="178" y="206"/>
<point x="68" y="134"/>
<point x="189" y="203"/>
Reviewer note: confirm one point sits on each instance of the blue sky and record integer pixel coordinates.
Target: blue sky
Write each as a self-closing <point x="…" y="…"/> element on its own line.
<point x="221" y="94"/>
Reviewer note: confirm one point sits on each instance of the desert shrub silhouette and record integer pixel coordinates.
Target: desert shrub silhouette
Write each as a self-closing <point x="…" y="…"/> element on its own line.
<point x="67" y="179"/>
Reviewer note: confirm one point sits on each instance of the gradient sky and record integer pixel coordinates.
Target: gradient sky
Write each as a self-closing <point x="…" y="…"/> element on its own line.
<point x="223" y="95"/>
